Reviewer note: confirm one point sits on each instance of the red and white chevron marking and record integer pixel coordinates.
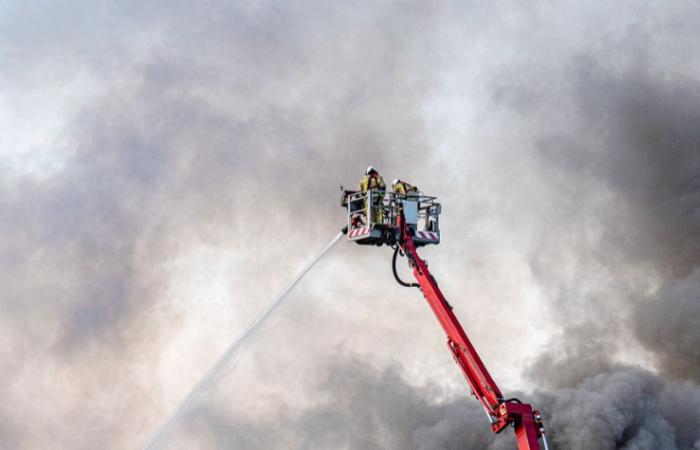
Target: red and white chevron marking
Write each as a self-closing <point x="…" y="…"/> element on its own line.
<point x="357" y="232"/>
<point x="427" y="235"/>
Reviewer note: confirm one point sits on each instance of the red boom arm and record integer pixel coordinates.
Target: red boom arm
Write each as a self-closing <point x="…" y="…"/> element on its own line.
<point x="527" y="423"/>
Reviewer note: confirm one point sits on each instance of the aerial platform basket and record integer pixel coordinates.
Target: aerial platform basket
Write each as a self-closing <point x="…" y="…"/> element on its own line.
<point x="372" y="217"/>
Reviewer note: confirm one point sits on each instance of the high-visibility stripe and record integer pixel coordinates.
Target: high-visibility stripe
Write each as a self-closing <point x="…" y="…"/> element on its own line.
<point x="358" y="232"/>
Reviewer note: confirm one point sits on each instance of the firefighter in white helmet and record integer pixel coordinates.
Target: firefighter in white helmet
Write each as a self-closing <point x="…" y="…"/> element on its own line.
<point x="374" y="182"/>
<point x="403" y="188"/>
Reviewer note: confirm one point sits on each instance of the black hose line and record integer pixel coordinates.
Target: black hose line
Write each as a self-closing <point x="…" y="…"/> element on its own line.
<point x="396" y="274"/>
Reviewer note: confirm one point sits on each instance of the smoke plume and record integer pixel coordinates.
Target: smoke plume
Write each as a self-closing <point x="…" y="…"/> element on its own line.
<point x="166" y="168"/>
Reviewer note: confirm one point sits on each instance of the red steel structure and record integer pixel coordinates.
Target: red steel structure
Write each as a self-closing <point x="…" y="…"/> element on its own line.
<point x="409" y="222"/>
<point x="526" y="421"/>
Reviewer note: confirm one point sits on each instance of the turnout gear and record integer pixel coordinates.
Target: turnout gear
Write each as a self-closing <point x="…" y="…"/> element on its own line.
<point x="372" y="181"/>
<point x="403" y="188"/>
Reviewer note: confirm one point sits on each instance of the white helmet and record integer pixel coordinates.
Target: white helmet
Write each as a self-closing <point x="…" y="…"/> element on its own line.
<point x="395" y="182"/>
<point x="371" y="169"/>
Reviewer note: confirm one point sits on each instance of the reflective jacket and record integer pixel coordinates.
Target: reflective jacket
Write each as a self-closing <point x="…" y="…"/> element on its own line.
<point x="403" y="188"/>
<point x="372" y="182"/>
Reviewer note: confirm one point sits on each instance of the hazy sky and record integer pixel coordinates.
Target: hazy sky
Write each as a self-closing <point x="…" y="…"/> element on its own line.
<point x="167" y="167"/>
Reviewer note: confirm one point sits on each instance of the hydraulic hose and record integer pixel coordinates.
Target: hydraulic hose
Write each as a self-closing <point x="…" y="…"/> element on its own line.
<point x="397" y="249"/>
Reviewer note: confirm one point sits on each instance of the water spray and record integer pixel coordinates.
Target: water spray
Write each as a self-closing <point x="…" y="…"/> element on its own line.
<point x="228" y="356"/>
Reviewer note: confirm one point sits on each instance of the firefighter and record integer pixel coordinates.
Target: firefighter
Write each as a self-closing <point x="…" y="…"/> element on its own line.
<point x="372" y="181"/>
<point x="403" y="188"/>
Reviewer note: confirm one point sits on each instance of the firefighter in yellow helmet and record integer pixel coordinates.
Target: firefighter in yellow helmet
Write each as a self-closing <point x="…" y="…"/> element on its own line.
<point x="404" y="188"/>
<point x="372" y="181"/>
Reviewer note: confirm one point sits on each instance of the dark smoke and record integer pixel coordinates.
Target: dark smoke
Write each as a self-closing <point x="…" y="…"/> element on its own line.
<point x="639" y="142"/>
<point x="378" y="409"/>
<point x="165" y="168"/>
<point x="622" y="408"/>
<point x="625" y="409"/>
